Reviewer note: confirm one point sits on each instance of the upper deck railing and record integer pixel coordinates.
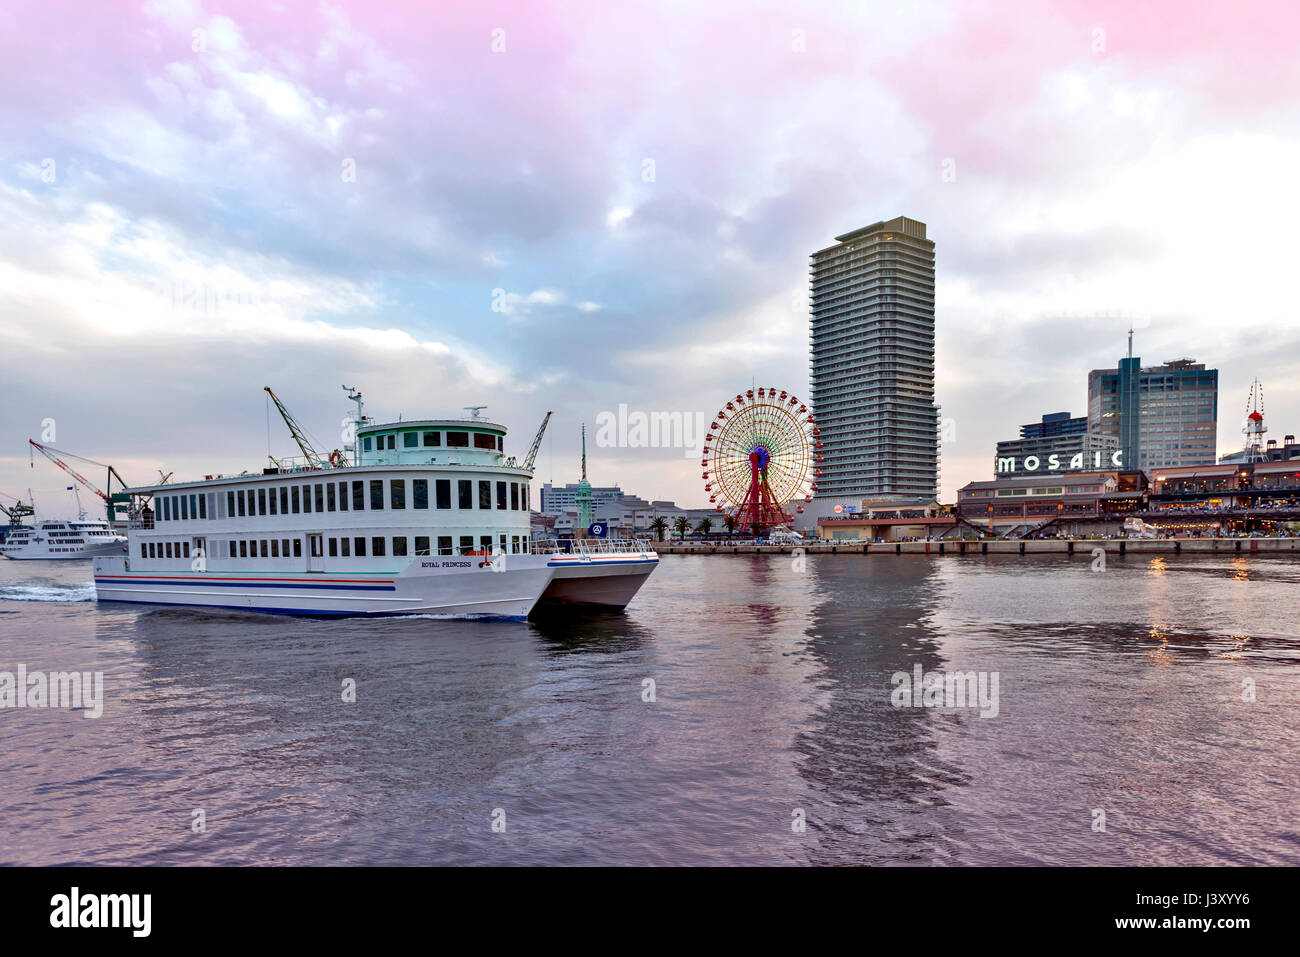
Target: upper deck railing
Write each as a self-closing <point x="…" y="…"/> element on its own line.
<point x="592" y="546"/>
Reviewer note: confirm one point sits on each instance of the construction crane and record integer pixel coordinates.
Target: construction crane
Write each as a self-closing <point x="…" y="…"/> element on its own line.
<point x="111" y="500"/>
<point x="17" y="512"/>
<point x="313" y="459"/>
<point x="537" y="444"/>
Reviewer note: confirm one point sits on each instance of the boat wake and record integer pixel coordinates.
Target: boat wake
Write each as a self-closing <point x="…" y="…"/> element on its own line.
<point x="31" y="591"/>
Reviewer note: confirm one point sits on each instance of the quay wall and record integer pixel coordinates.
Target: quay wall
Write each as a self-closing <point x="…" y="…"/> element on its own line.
<point x="1115" y="546"/>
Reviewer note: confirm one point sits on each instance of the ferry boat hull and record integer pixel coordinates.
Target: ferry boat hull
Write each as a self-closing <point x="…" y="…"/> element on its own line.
<point x="456" y="586"/>
<point x="602" y="581"/>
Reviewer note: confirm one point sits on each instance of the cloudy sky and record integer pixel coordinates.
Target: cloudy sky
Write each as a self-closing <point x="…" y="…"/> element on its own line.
<point x="569" y="206"/>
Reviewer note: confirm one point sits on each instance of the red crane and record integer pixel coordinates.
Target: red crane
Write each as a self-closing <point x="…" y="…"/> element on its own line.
<point x="109" y="500"/>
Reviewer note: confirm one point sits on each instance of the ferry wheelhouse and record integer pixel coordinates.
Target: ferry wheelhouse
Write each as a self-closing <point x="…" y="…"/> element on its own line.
<point x="429" y="517"/>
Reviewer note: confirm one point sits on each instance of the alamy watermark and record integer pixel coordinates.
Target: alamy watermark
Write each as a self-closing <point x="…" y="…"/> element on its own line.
<point x="82" y="690"/>
<point x="954" y="689"/>
<point x="637" y="429"/>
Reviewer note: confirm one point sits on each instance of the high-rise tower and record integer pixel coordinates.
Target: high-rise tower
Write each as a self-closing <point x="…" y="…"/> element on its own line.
<point x="873" y="364"/>
<point x="1163" y="416"/>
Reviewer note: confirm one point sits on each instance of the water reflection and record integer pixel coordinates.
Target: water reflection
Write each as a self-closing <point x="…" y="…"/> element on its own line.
<point x="873" y="768"/>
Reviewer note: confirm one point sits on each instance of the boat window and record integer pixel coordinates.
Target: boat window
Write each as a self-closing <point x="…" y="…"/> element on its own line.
<point x="524" y="486"/>
<point x="484" y="441"/>
<point x="397" y="492"/>
<point x="284" y="547"/>
<point x="514" y="495"/>
<point x="464" y="493"/>
<point x="194" y="505"/>
<point x="271" y="498"/>
<point x="514" y="544"/>
<point x="360" y="544"/>
<point x="297" y="548"/>
<point x="484" y="494"/>
<point x="410" y="440"/>
<point x="420" y="493"/>
<point x="143" y="551"/>
<point x="500" y="444"/>
<point x="232" y="548"/>
<point x="320" y="497"/>
<point x="293" y="497"/>
<point x="444" y="544"/>
<point x="442" y="488"/>
<point x="501" y="494"/>
<point x="185" y="507"/>
<point x="466" y="544"/>
<point x="365" y="444"/>
<point x="346" y="544"/>
<point x="421" y="544"/>
<point x="184" y="549"/>
<point x="343" y="496"/>
<point x="399" y="546"/>
<point x="306" y="498"/>
<point x="392" y="440"/>
<point x="358" y="496"/>
<point x="485" y="543"/>
<point x="166" y="510"/>
<point x="264" y="551"/>
<point x="243" y="549"/>
<point x="432" y="439"/>
<point x="334" y="548"/>
<point x="329" y="496"/>
<point x="204" y="508"/>
<point x="284" y="500"/>
<point x="275" y="548"/>
<point x="261" y="501"/>
<point x="376" y="494"/>
<point x="458" y="440"/>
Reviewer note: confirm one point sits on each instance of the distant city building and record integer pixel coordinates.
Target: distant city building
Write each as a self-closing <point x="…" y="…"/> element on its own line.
<point x="873" y="365"/>
<point x="1056" y="444"/>
<point x="1162" y="416"/>
<point x="557" y="498"/>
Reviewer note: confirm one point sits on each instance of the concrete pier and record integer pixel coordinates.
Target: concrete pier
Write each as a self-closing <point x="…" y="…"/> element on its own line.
<point x="1085" y="546"/>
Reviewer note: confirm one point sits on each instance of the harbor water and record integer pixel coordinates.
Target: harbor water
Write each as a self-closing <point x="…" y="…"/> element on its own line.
<point x="739" y="712"/>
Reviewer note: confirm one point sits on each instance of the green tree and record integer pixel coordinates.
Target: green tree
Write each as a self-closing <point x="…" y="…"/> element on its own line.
<point x="730" y="522"/>
<point x="660" y="527"/>
<point x="705" y="526"/>
<point x="681" y="526"/>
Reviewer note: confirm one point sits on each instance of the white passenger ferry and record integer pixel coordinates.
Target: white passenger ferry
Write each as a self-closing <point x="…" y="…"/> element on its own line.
<point x="62" y="540"/>
<point x="430" y="517"/>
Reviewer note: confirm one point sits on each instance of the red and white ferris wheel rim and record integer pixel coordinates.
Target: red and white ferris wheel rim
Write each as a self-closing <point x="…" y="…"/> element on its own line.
<point x="779" y="423"/>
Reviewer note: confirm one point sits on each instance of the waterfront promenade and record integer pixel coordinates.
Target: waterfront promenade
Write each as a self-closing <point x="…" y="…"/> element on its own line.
<point x="972" y="546"/>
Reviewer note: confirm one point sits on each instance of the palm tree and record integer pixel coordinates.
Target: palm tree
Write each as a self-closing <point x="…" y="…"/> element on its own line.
<point x="659" y="526"/>
<point x="730" y="522"/>
<point x="681" y="526"/>
<point x="705" y="526"/>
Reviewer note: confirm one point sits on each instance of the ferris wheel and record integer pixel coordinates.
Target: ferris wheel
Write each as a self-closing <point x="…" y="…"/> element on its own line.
<point x="762" y="456"/>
